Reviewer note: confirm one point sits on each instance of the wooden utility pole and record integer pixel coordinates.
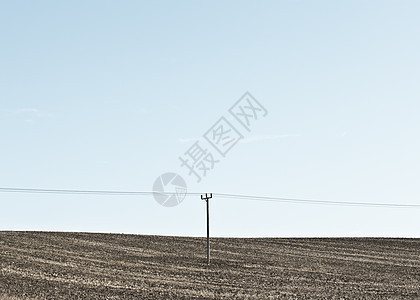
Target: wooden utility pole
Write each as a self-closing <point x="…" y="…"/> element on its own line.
<point x="207" y="197"/>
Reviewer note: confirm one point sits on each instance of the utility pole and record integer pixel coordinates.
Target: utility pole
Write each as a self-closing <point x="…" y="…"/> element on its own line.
<point x="207" y="197"/>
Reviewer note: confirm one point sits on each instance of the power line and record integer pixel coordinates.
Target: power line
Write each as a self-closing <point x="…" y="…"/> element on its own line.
<point x="219" y="195"/>
<point x="313" y="201"/>
<point x="78" y="192"/>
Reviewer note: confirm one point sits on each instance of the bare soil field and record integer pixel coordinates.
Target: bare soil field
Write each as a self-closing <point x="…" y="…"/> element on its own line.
<point x="52" y="265"/>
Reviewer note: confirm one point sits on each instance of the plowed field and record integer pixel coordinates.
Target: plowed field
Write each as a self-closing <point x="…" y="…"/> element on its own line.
<point x="47" y="265"/>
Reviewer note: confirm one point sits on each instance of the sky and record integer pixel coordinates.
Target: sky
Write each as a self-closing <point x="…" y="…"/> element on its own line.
<point x="106" y="95"/>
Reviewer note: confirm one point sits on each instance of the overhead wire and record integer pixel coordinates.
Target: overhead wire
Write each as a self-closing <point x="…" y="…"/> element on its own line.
<point x="217" y="195"/>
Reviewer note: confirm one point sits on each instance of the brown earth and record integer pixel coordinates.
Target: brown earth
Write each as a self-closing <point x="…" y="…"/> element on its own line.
<point x="50" y="265"/>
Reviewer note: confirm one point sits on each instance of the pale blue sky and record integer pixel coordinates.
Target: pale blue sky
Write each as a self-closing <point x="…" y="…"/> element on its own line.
<point x="101" y="94"/>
